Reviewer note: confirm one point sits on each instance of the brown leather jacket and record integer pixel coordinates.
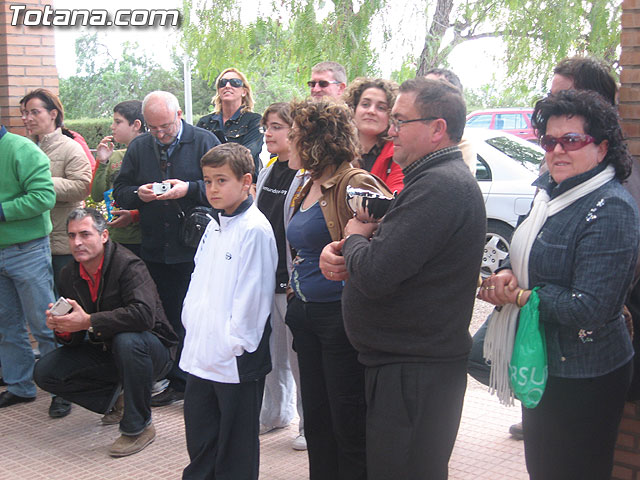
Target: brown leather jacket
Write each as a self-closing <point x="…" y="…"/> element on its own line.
<point x="333" y="201"/>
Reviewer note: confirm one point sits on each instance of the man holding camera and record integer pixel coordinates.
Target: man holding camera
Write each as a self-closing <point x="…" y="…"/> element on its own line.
<point x="169" y="153"/>
<point x="117" y="340"/>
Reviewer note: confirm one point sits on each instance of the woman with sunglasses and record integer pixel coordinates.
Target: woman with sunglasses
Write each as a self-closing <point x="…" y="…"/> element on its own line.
<point x="578" y="246"/>
<point x="371" y="101"/>
<point x="324" y="143"/>
<point x="232" y="119"/>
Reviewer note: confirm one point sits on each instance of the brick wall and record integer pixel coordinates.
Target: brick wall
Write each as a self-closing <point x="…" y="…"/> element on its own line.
<point x="627" y="455"/>
<point x="27" y="61"/>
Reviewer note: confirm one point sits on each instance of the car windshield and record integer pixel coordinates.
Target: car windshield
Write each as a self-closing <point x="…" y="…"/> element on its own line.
<point x="527" y="155"/>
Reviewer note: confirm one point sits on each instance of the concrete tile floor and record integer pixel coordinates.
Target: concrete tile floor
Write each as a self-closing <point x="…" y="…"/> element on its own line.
<point x="34" y="446"/>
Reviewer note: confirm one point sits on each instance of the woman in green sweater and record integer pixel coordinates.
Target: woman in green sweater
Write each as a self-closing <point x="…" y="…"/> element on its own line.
<point x="128" y="123"/>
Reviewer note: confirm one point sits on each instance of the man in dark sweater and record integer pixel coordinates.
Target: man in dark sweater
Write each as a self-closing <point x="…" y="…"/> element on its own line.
<point x="411" y="287"/>
<point x="169" y="152"/>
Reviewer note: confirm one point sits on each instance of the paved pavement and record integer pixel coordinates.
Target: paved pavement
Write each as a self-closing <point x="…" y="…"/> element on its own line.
<point x="34" y="446"/>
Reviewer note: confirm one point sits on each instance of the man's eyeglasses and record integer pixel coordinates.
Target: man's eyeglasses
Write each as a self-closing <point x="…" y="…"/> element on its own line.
<point x="235" y="82"/>
<point x="164" y="127"/>
<point x="397" y="124"/>
<point x="569" y="141"/>
<point x="322" y="83"/>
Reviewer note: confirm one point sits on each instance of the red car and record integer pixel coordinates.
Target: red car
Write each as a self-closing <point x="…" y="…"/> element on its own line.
<point x="516" y="121"/>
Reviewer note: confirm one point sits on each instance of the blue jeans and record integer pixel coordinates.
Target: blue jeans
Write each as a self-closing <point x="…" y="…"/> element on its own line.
<point x="92" y="376"/>
<point x="26" y="289"/>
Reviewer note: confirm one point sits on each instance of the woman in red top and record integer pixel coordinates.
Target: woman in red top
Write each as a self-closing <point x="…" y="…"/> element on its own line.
<point x="371" y="101"/>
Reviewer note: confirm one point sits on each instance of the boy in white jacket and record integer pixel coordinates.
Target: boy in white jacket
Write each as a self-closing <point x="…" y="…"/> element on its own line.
<point x="225" y="315"/>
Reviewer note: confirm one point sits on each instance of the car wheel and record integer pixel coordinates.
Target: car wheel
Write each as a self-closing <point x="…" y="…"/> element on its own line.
<point x="496" y="249"/>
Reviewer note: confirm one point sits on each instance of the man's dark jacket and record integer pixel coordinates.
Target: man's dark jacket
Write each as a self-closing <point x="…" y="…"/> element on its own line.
<point x="159" y="220"/>
<point x="127" y="298"/>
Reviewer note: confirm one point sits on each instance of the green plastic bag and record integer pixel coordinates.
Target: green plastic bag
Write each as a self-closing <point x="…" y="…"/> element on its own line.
<point x="528" y="370"/>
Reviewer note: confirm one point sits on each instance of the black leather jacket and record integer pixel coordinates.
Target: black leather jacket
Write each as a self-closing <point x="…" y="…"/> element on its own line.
<point x="243" y="128"/>
<point x="127" y="299"/>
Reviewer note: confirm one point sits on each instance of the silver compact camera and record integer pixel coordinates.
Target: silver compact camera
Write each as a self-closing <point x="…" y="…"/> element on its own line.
<point x="160" y="188"/>
<point x="61" y="307"/>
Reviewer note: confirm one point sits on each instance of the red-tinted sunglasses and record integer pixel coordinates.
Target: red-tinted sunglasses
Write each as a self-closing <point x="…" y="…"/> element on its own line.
<point x="569" y="141"/>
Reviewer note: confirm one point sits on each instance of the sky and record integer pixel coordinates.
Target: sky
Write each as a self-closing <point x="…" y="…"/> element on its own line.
<point x="473" y="61"/>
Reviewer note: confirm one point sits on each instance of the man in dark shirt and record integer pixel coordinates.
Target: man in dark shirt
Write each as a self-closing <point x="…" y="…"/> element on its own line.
<point x="169" y="152"/>
<point x="411" y="289"/>
<point x="117" y="338"/>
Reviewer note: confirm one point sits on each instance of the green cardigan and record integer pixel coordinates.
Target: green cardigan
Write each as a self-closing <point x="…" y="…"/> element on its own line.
<point x="26" y="191"/>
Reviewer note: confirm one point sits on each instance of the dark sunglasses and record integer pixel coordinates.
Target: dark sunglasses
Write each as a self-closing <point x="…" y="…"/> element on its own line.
<point x="235" y="82"/>
<point x="569" y="141"/>
<point x="322" y="83"/>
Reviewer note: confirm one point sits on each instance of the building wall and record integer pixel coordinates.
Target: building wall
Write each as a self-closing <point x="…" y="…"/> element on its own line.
<point x="27" y="61"/>
<point x="627" y="455"/>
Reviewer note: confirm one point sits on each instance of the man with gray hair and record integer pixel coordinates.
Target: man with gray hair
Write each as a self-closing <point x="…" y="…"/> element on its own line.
<point x="168" y="153"/>
<point x="116" y="338"/>
<point x="328" y="79"/>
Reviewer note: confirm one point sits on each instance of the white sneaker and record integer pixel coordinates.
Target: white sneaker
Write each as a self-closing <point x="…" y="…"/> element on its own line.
<point x="300" y="443"/>
<point x="267" y="429"/>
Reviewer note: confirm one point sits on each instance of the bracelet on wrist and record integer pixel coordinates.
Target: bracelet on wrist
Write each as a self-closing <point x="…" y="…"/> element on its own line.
<point x="519" y="297"/>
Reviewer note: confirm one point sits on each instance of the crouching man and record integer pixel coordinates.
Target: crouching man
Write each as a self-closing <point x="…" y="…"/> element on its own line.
<point x="117" y="340"/>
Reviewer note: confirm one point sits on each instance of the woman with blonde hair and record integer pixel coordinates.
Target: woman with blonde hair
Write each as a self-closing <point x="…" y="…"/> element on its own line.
<point x="232" y="119"/>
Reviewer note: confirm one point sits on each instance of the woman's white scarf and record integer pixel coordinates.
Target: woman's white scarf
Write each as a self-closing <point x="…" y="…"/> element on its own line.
<point x="501" y="331"/>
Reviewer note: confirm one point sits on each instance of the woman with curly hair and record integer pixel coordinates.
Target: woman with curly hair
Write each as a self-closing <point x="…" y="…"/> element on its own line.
<point x="324" y="142"/>
<point x="371" y="101"/>
<point x="578" y="246"/>
<point x="233" y="119"/>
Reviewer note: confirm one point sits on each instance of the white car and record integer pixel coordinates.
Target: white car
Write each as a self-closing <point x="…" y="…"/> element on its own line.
<point x="506" y="168"/>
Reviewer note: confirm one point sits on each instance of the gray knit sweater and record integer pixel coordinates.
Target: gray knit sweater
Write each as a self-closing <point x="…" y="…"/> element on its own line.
<point x="411" y="289"/>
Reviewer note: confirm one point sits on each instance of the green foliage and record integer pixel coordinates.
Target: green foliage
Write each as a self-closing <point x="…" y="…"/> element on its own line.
<point x="97" y="88"/>
<point x="537" y="35"/>
<point x="406" y="71"/>
<point x="489" y="96"/>
<point x="92" y="129"/>
<point x="276" y="53"/>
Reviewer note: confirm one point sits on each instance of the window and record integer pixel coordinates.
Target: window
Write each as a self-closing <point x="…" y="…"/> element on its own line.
<point x="510" y="121"/>
<point x="526" y="155"/>
<point x="483" y="172"/>
<point x="479" y="121"/>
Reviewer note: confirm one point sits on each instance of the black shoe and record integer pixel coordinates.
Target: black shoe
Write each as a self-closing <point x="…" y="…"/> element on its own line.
<point x="7" y="399"/>
<point x="167" y="397"/>
<point x="516" y="431"/>
<point x="59" y="407"/>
